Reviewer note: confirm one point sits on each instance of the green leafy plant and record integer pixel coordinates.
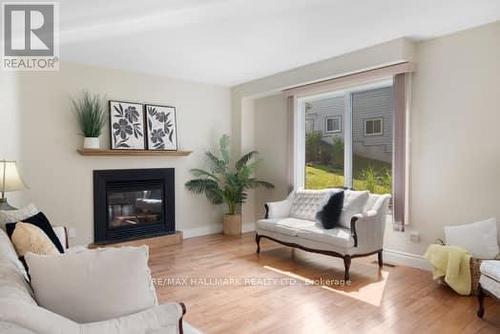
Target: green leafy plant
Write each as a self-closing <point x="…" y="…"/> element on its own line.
<point x="325" y="155"/>
<point x="387" y="179"/>
<point x="338" y="152"/>
<point x="369" y="176"/>
<point x="313" y="143"/>
<point x="224" y="183"/>
<point x="89" y="109"/>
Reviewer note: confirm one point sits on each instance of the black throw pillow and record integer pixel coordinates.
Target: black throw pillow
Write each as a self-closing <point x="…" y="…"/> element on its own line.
<point x="329" y="215"/>
<point x="41" y="221"/>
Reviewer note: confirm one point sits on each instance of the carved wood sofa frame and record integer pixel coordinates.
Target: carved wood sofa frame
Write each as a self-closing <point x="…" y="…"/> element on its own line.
<point x="347" y="258"/>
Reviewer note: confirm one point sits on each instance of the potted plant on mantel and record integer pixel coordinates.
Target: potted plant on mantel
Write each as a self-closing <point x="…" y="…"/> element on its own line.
<point x="227" y="184"/>
<point x="89" y="109"/>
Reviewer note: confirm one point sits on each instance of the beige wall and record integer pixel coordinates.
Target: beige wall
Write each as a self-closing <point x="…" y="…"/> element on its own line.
<point x="248" y="144"/>
<point x="270" y="117"/>
<point x="36" y="111"/>
<point x="455" y="147"/>
<point x="9" y="123"/>
<point x="455" y="170"/>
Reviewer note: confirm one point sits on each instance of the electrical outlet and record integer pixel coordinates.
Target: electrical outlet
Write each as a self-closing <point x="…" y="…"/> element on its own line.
<point x="415" y="236"/>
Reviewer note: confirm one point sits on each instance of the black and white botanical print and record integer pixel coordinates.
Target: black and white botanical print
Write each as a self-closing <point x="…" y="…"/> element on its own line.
<point x="127" y="125"/>
<point x="162" y="128"/>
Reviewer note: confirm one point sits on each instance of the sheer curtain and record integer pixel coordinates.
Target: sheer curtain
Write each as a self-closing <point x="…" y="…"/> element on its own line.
<point x="401" y="150"/>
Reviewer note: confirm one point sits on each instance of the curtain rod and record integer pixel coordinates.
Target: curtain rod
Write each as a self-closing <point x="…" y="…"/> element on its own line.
<point x="351" y="78"/>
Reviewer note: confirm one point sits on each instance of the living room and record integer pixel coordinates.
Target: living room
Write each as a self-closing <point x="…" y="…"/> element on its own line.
<point x="267" y="166"/>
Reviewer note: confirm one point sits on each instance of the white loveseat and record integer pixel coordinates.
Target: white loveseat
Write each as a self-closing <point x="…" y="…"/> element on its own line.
<point x="19" y="312"/>
<point x="291" y="222"/>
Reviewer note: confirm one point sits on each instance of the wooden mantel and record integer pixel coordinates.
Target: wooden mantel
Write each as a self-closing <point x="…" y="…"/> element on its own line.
<point x="103" y="152"/>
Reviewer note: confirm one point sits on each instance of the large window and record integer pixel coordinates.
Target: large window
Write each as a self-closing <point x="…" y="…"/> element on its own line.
<point x="354" y="148"/>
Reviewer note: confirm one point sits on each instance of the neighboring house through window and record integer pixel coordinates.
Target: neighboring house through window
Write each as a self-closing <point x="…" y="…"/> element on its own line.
<point x="333" y="124"/>
<point x="374" y="126"/>
<point x="350" y="146"/>
<point x="309" y="125"/>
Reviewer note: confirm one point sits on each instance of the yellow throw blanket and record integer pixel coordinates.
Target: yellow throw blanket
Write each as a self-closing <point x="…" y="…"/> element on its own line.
<point x="454" y="264"/>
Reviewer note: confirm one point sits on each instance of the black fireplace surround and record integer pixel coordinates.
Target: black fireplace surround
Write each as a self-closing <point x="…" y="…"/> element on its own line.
<point x="133" y="203"/>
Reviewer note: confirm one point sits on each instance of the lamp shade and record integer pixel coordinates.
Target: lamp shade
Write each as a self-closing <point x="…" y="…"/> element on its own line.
<point x="9" y="177"/>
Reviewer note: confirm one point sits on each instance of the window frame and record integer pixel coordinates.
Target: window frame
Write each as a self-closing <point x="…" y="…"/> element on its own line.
<point x="373" y="119"/>
<point x="339" y="118"/>
<point x="299" y="133"/>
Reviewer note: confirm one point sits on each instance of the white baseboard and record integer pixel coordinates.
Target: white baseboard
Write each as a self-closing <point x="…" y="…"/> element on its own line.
<point x="212" y="229"/>
<point x="406" y="259"/>
<point x="201" y="231"/>
<point x="248" y="227"/>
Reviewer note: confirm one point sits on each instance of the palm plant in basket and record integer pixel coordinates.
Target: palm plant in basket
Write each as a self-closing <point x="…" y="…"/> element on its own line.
<point x="89" y="109"/>
<point x="227" y="183"/>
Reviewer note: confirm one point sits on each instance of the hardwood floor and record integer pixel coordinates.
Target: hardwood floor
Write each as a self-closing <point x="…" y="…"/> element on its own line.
<point x="258" y="300"/>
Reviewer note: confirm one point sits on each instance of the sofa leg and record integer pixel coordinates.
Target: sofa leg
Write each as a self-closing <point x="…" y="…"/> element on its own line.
<point x="480" y="298"/>
<point x="183" y="306"/>
<point x="380" y="259"/>
<point x="347" y="265"/>
<point x="257" y="241"/>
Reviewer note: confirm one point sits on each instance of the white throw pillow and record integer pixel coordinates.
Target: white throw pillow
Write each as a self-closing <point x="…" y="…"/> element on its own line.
<point x="93" y="285"/>
<point x="306" y="203"/>
<point x="13" y="216"/>
<point x="480" y="238"/>
<point x="354" y="203"/>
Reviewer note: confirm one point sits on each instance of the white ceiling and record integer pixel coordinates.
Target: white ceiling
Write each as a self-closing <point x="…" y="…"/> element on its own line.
<point x="228" y="42"/>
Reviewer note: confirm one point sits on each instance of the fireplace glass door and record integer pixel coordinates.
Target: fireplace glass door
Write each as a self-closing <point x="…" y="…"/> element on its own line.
<point x="134" y="204"/>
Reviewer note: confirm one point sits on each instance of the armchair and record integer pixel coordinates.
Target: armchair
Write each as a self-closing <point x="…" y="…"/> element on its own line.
<point x="489" y="283"/>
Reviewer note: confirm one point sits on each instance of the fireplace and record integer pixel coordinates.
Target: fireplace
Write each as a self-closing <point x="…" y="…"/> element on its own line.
<point x="133" y="203"/>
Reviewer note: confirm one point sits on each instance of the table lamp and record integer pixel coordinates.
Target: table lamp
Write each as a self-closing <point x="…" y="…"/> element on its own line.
<point x="9" y="181"/>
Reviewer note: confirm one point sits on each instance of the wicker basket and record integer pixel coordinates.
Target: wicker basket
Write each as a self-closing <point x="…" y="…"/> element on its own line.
<point x="475" y="273"/>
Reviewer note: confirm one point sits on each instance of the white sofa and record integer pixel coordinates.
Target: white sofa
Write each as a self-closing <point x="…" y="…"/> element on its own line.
<point x="19" y="312"/>
<point x="365" y="236"/>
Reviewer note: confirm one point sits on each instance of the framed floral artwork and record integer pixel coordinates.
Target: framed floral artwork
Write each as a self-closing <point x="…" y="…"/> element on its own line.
<point x="161" y="127"/>
<point x="126" y="125"/>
